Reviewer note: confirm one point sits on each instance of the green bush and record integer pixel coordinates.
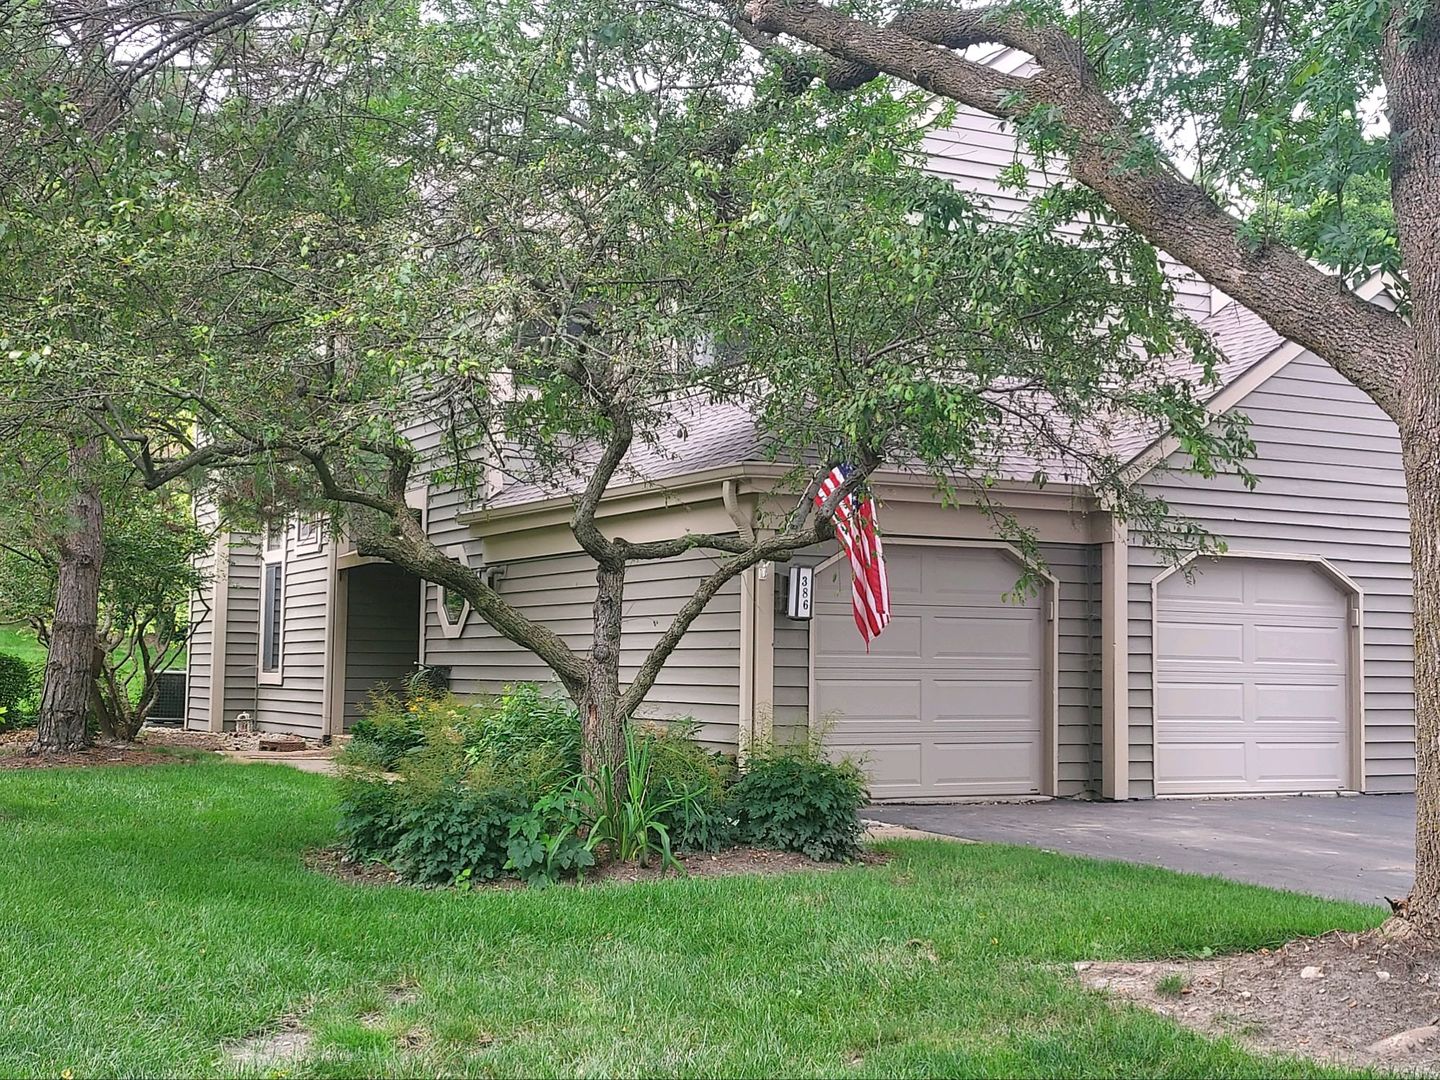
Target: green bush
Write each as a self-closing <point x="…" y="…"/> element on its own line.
<point x="794" y="799"/>
<point x="369" y="815"/>
<point x="17" y="687"/>
<point x="682" y="767"/>
<point x="454" y="834"/>
<point x="473" y="794"/>
<point x="548" y="841"/>
<point x="528" y="734"/>
<point x="389" y="729"/>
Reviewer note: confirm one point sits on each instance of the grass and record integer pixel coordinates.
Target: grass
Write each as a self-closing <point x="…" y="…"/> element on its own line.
<point x="152" y="915"/>
<point x="21" y="642"/>
<point x="1172" y="985"/>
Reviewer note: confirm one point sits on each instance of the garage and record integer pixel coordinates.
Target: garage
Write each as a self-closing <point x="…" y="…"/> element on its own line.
<point x="1252" y="691"/>
<point x="951" y="699"/>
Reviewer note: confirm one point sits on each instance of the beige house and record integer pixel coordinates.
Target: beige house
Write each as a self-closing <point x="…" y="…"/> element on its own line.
<point x="1284" y="666"/>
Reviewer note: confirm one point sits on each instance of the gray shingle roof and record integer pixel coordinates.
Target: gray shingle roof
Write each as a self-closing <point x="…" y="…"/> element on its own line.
<point x="700" y="435"/>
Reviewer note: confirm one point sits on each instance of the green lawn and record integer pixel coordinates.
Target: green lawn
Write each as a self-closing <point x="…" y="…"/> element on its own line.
<point x="147" y="916"/>
<point x="20" y="642"/>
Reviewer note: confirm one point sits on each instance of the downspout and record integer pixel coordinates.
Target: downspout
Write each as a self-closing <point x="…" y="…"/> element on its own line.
<point x="729" y="495"/>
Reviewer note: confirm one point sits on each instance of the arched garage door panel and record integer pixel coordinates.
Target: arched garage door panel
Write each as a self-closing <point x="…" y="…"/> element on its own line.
<point x="1252" y="669"/>
<point x="950" y="698"/>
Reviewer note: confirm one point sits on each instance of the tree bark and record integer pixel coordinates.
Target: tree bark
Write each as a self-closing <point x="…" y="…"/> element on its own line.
<point x="1411" y="65"/>
<point x="1422" y="479"/>
<point x="69" y="669"/>
<point x="601" y="718"/>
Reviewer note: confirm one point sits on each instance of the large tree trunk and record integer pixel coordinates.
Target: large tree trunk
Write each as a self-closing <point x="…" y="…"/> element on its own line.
<point x="1412" y="77"/>
<point x="70" y="669"/>
<point x="602" y="726"/>
<point x="1422" y="477"/>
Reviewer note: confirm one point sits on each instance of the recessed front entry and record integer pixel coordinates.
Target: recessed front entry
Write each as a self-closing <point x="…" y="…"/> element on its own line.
<point x="1252" y="680"/>
<point x="950" y="699"/>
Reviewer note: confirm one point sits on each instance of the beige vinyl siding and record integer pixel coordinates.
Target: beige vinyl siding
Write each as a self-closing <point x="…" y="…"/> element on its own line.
<point x="976" y="148"/>
<point x="296" y="704"/>
<point x="1075" y="566"/>
<point x="241" y="610"/>
<point x="1330" y="485"/>
<point x="792" y="653"/>
<point x="700" y="680"/>
<point x="382" y="635"/>
<point x="242" y="628"/>
<point x="200" y="651"/>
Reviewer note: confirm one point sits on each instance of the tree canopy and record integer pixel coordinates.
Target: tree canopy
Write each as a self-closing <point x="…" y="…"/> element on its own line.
<point x="436" y="247"/>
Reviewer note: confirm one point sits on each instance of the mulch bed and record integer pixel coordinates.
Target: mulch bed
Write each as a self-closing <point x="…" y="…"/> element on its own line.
<point x="332" y="862"/>
<point x="154" y="746"/>
<point x="1370" y="999"/>
<point x="95" y="755"/>
<point x="14" y="744"/>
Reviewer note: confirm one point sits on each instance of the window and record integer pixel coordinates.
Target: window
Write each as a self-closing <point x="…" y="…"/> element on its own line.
<point x="271" y="617"/>
<point x="454" y="609"/>
<point x="454" y="604"/>
<point x="272" y="605"/>
<point x="308" y="535"/>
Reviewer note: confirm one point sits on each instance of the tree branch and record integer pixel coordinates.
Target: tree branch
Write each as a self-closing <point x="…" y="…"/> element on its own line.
<point x="1369" y="345"/>
<point x="781" y="546"/>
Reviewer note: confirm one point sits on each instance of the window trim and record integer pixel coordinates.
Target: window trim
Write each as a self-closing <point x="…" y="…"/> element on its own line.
<point x="309" y="547"/>
<point x="272" y="676"/>
<point x="452" y="628"/>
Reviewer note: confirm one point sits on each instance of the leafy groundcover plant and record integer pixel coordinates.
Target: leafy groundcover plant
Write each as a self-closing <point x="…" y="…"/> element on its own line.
<point x="448" y="792"/>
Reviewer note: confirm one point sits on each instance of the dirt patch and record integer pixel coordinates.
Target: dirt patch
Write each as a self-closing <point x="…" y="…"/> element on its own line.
<point x="1370" y="999"/>
<point x="266" y="1050"/>
<point x="332" y="861"/>
<point x="730" y="863"/>
<point x="13" y="756"/>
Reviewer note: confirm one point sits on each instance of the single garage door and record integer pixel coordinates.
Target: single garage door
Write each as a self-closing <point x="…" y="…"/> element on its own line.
<point x="1251" y="689"/>
<point x="950" y="699"/>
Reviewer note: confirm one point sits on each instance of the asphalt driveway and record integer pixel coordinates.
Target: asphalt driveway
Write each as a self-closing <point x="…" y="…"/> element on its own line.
<point x="1358" y="848"/>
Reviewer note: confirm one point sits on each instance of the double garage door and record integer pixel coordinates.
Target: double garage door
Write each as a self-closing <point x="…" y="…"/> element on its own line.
<point x="949" y="701"/>
<point x="1251" y="678"/>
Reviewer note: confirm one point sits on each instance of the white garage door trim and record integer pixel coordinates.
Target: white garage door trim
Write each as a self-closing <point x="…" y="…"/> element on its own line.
<point x="1050" y="662"/>
<point x="1355" y="651"/>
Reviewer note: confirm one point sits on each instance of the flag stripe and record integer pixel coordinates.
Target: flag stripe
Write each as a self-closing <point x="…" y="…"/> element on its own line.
<point x="856" y="527"/>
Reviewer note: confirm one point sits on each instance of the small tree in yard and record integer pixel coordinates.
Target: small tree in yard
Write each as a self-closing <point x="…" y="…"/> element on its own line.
<point x="150" y="569"/>
<point x="536" y="240"/>
<point x="1210" y="129"/>
<point x="100" y="246"/>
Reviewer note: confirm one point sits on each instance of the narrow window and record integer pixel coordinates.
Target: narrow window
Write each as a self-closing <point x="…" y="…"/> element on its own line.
<point x="271" y="613"/>
<point x="272" y="604"/>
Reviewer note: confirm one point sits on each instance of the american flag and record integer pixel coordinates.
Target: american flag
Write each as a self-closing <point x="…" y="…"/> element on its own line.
<point x="855" y="523"/>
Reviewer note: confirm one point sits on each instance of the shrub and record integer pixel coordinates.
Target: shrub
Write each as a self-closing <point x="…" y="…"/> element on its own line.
<point x="17" y="687"/>
<point x="472" y="798"/>
<point x="452" y="832"/>
<point x="389" y="730"/>
<point x="546" y="842"/>
<point x="527" y="733"/>
<point x="682" y="767"/>
<point x="794" y="799"/>
<point x="369" y="815"/>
